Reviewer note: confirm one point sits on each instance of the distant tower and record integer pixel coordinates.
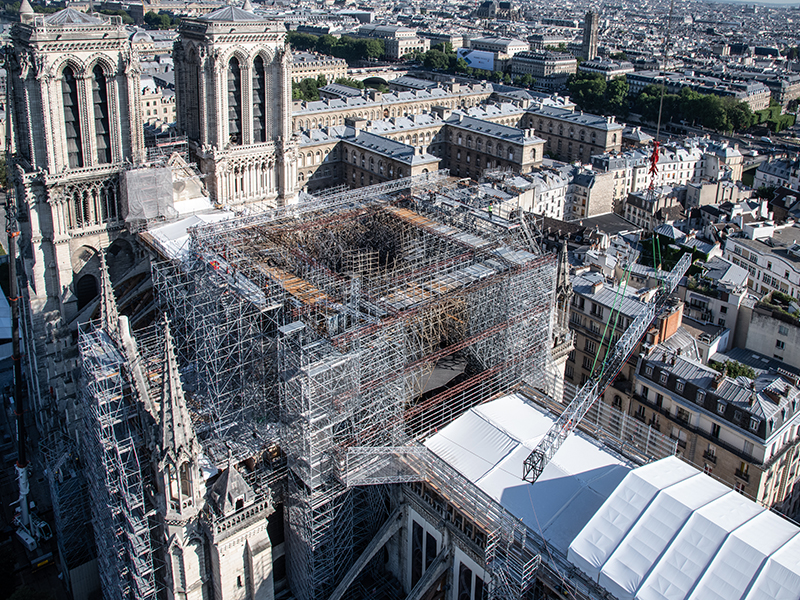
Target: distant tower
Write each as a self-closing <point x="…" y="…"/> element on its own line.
<point x="590" y="41"/>
<point x="234" y="93"/>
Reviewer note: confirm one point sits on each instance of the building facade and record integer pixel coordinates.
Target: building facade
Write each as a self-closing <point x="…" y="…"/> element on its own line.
<point x="306" y="65"/>
<point x="745" y="433"/>
<point x="233" y="83"/>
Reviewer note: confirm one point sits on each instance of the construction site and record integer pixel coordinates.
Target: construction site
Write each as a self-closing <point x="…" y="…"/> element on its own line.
<point x="321" y="347"/>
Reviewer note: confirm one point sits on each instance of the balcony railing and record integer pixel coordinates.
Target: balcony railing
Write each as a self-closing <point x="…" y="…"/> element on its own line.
<point x="742" y="475"/>
<point x="710" y="457"/>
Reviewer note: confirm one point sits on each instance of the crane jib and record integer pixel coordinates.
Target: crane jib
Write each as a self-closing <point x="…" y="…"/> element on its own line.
<point x="569" y="419"/>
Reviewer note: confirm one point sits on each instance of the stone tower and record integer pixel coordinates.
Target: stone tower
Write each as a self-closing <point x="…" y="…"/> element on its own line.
<point x="240" y="549"/>
<point x="73" y="94"/>
<point x="590" y="39"/>
<point x="234" y="95"/>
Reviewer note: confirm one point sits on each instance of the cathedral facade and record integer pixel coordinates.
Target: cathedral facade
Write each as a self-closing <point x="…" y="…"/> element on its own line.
<point x="234" y="94"/>
<point x="73" y="95"/>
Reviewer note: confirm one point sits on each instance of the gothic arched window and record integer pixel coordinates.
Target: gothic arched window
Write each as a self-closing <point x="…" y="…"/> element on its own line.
<point x="72" y="120"/>
<point x="101" y="122"/>
<point x="259" y="101"/>
<point x="234" y="102"/>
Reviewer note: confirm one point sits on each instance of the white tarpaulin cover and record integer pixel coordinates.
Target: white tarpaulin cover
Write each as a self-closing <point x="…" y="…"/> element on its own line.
<point x="671" y="532"/>
<point x="488" y="445"/>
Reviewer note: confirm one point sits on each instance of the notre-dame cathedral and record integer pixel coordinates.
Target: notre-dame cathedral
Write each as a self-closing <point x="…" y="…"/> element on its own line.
<point x="78" y="133"/>
<point x="77" y="142"/>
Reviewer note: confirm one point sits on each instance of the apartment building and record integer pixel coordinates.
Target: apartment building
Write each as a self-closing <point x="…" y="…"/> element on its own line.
<point x="777" y="173"/>
<point x="550" y="69"/>
<point x="398" y="41"/>
<point x="771" y="256"/>
<point x="307" y="64"/>
<point x="593" y="299"/>
<point x="372" y="104"/>
<point x="571" y="135"/>
<point x="715" y="295"/>
<point x="649" y="211"/>
<point x="742" y="431"/>
<point x="589" y="194"/>
<point x="772" y="330"/>
<point x="609" y="69"/>
<point x="691" y="161"/>
<point x="158" y="103"/>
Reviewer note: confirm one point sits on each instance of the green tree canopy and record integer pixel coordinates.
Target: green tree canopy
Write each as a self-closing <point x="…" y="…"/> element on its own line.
<point x="162" y="20"/>
<point x="301" y="41"/>
<point x="436" y="59"/>
<point x="350" y="82"/>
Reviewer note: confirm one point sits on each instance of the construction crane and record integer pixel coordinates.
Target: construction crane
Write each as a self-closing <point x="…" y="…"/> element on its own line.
<point x="594" y="387"/>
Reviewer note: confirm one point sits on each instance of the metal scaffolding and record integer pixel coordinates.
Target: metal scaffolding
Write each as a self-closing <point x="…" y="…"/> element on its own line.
<point x="113" y="472"/>
<point x="366" y="319"/>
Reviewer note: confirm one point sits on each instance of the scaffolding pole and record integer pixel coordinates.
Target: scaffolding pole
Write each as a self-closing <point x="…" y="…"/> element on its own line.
<point x="366" y="319"/>
<point x="121" y="529"/>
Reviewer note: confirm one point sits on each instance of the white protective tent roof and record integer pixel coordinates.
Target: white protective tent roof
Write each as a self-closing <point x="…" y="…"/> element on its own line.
<point x="488" y="445"/>
<point x="671" y="532"/>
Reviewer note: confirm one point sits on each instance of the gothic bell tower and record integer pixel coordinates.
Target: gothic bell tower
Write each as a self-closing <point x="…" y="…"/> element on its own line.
<point x="73" y="101"/>
<point x="233" y="87"/>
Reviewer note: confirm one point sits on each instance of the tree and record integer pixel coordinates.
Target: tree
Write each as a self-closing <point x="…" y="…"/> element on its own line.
<point x="322" y="81"/>
<point x="4" y="173"/>
<point x="126" y="18"/>
<point x="372" y="48"/>
<point x="462" y="66"/>
<point x="445" y="47"/>
<point x="301" y="41"/>
<point x="436" y="59"/>
<point x="767" y="192"/>
<point x="353" y="83"/>
<point x="588" y="91"/>
<point x="527" y="80"/>
<point x="325" y="44"/>
<point x="616" y="96"/>
<point x="507" y="79"/>
<point x="162" y="20"/>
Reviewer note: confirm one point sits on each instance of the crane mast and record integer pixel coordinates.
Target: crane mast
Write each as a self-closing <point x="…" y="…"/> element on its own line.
<point x="594" y="387"/>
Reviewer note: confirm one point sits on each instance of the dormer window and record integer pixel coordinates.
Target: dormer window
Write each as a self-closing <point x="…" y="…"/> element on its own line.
<point x="721" y="407"/>
<point x="701" y="396"/>
<point x="679" y="386"/>
<point x="239" y="503"/>
<point x="754" y="423"/>
<point x="648" y="370"/>
<point x="664" y="377"/>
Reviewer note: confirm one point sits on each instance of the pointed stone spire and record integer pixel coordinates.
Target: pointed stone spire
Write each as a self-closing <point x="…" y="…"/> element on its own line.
<point x="25" y="11"/>
<point x="109" y="312"/>
<point x="247" y="6"/>
<point x="563" y="283"/>
<point x="178" y="442"/>
<point x="563" y="291"/>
